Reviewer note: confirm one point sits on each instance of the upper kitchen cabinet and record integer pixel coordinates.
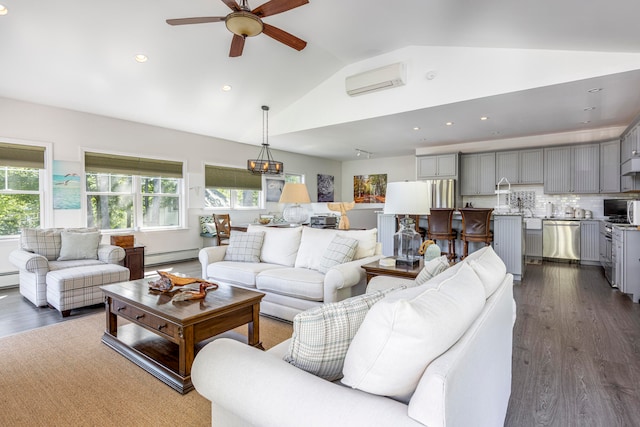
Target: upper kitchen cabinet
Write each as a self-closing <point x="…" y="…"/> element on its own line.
<point x="610" y="166"/>
<point x="442" y="166"/>
<point x="520" y="167"/>
<point x="477" y="174"/>
<point x="573" y="169"/>
<point x="629" y="144"/>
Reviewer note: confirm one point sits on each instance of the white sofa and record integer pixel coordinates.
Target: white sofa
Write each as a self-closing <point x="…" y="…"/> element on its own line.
<point x="64" y="268"/>
<point x="287" y="269"/>
<point x="469" y="384"/>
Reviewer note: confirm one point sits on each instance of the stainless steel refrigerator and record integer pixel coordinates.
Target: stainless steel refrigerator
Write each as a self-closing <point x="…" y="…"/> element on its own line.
<point x="442" y="193"/>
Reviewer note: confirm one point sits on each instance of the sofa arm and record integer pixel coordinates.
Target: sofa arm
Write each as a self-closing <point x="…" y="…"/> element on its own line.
<point x="379" y="283"/>
<point x="209" y="255"/>
<point x="345" y="276"/>
<point x="33" y="263"/>
<point x="110" y="254"/>
<point x="262" y="389"/>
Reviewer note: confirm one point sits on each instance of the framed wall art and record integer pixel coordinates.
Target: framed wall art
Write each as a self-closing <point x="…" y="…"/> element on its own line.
<point x="273" y="189"/>
<point x="325" y="188"/>
<point x="369" y="188"/>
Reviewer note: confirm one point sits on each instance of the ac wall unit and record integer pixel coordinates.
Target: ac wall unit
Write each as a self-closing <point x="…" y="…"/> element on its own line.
<point x="393" y="75"/>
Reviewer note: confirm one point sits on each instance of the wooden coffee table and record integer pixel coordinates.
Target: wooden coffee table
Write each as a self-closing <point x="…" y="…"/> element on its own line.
<point x="163" y="337"/>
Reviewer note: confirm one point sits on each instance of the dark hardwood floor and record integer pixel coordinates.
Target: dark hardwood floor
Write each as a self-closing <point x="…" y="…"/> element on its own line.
<point x="576" y="351"/>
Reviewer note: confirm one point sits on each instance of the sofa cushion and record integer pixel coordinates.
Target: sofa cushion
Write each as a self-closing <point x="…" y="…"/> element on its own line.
<point x="400" y="336"/>
<point x="321" y="335"/>
<point x="244" y="247"/>
<point x="300" y="283"/>
<point x="45" y="242"/>
<point x="280" y="245"/>
<point x="431" y="269"/>
<point x="79" y="245"/>
<point x="489" y="267"/>
<point x="238" y="273"/>
<point x="367" y="241"/>
<point x="313" y="243"/>
<point x="340" y="250"/>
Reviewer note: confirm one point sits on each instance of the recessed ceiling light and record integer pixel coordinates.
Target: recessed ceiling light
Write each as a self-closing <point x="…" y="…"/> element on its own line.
<point x="589" y="108"/>
<point x="484" y="118"/>
<point x="594" y="90"/>
<point x="3" y="10"/>
<point x="141" y="58"/>
<point x="416" y="128"/>
<point x="449" y="123"/>
<point x="226" y="88"/>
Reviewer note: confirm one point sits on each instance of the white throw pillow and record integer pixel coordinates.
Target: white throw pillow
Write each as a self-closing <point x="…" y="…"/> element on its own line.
<point x="489" y="267"/>
<point x="400" y="337"/>
<point x="431" y="269"/>
<point x="341" y="250"/>
<point x="244" y="247"/>
<point x="79" y="245"/>
<point x="313" y="243"/>
<point x="321" y="335"/>
<point x="280" y="245"/>
<point x="367" y="241"/>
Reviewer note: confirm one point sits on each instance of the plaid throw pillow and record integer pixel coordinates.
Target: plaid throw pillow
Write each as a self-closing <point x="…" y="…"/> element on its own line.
<point x="42" y="242"/>
<point x="244" y="247"/>
<point x="321" y="336"/>
<point x="432" y="269"/>
<point x="339" y="251"/>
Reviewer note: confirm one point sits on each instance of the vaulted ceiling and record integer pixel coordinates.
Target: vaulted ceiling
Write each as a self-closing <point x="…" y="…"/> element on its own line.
<point x="527" y="66"/>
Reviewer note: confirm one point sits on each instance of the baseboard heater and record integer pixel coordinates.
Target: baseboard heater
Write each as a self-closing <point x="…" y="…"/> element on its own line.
<point x="10" y="279"/>
<point x="169" y="257"/>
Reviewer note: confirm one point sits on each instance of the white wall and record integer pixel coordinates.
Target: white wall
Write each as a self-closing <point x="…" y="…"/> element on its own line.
<point x="69" y="132"/>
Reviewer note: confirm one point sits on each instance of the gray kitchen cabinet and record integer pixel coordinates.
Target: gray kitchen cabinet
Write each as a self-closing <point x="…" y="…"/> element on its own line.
<point x="573" y="169"/>
<point x="630" y="183"/>
<point x="590" y="242"/>
<point x="533" y="244"/>
<point x="610" y="166"/>
<point x="509" y="243"/>
<point x="521" y="166"/>
<point x="629" y="144"/>
<point x="440" y="166"/>
<point x="477" y="174"/>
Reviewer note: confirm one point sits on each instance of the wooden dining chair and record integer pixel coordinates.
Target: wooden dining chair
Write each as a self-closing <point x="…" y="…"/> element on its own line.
<point x="223" y="228"/>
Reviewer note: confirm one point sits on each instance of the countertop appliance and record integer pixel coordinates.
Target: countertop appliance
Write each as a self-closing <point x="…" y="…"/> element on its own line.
<point x="322" y="221"/>
<point x="561" y="240"/>
<point x="568" y="212"/>
<point x="579" y="213"/>
<point x="633" y="212"/>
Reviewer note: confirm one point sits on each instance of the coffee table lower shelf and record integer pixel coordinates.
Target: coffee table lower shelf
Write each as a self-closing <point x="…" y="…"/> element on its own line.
<point x="154" y="354"/>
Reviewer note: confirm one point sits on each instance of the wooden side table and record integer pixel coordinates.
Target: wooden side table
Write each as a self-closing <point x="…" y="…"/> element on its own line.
<point x="134" y="261"/>
<point x="375" y="269"/>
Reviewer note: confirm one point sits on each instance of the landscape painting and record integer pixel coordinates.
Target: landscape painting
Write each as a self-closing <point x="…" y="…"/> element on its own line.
<point x="66" y="184"/>
<point x="369" y="188"/>
<point x="325" y="188"/>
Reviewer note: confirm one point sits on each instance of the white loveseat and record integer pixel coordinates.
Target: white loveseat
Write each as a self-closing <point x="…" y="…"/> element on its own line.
<point x="287" y="270"/>
<point x="64" y="268"/>
<point x="468" y="384"/>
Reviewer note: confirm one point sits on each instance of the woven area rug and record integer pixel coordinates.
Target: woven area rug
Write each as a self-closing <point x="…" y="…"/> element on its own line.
<point x="63" y="375"/>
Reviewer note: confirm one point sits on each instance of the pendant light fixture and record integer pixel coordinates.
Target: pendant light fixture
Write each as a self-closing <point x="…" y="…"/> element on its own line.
<point x="264" y="164"/>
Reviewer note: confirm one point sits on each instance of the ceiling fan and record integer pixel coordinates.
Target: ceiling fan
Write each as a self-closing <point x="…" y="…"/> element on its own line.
<point x="244" y="22"/>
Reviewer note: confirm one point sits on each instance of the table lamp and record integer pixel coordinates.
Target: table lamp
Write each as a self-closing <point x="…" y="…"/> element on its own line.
<point x="407" y="198"/>
<point x="295" y="194"/>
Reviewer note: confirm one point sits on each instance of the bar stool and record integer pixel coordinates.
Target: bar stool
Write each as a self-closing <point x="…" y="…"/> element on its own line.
<point x="476" y="227"/>
<point x="440" y="228"/>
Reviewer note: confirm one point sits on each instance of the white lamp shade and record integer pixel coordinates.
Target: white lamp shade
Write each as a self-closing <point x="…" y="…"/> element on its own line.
<point x="294" y="193"/>
<point x="407" y="198"/>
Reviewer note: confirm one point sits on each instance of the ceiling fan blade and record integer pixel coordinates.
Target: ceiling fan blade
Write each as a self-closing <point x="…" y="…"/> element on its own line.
<point x="277" y="6"/>
<point x="284" y="37"/>
<point x="232" y="5"/>
<point x="200" y="20"/>
<point x="237" y="44"/>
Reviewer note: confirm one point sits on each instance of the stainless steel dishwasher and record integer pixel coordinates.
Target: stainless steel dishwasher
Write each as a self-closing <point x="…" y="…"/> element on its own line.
<point x="561" y="240"/>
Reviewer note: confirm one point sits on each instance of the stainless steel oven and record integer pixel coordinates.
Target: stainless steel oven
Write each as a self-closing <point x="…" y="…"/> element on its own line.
<point x="606" y="252"/>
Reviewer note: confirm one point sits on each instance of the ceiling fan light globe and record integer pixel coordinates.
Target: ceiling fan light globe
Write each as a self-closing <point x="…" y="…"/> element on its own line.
<point x="243" y="24"/>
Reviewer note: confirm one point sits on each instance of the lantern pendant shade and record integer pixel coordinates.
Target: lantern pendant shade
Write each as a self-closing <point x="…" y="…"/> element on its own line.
<point x="265" y="164"/>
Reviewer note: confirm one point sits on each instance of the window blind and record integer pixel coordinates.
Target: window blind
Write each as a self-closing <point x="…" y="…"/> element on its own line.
<point x="233" y="178"/>
<point x="21" y="156"/>
<point x="111" y="163"/>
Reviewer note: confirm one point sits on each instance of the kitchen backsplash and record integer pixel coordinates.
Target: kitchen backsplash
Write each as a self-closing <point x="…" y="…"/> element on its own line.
<point x="533" y="197"/>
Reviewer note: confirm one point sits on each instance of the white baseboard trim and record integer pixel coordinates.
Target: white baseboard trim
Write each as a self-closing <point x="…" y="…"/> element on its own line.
<point x="9" y="280"/>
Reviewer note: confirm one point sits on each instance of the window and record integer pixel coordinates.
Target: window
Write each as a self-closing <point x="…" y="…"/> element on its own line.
<point x="232" y="188"/>
<point x="21" y="178"/>
<point x="136" y="199"/>
<point x="294" y="178"/>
